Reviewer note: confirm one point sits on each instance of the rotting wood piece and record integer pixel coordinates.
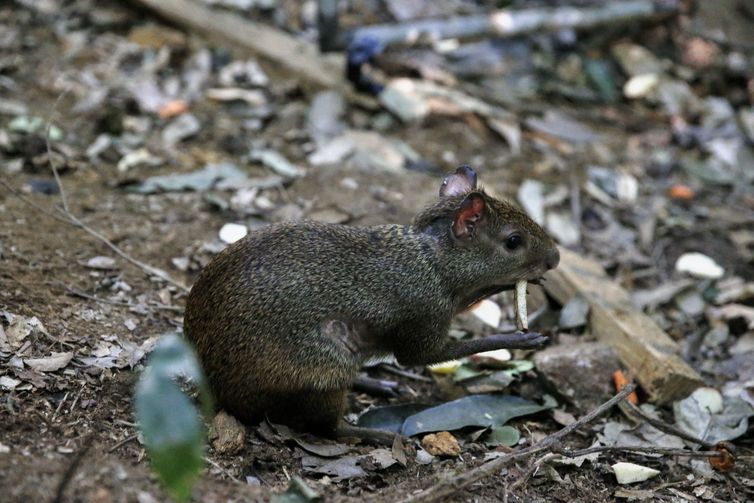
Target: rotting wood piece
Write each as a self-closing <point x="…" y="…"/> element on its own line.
<point x="649" y="353"/>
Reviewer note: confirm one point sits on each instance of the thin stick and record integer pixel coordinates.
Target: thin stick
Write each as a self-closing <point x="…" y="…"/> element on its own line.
<point x="638" y="450"/>
<point x="54" y="167"/>
<point x="222" y="470"/>
<point x="32" y="204"/>
<point x="632" y="411"/>
<point x="122" y="443"/>
<point x="449" y="486"/>
<point x="74" y="221"/>
<point x="532" y="469"/>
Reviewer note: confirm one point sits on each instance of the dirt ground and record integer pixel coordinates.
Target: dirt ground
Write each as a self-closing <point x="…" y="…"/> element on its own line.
<point x="77" y="424"/>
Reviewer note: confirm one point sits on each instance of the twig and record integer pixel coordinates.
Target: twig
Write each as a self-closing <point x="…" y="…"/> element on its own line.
<point x="67" y="217"/>
<point x="122" y="443"/>
<point x="222" y="470"/>
<point x="31" y="203"/>
<point x="635" y="413"/>
<point x="638" y="450"/>
<point x="532" y="469"/>
<point x="54" y="167"/>
<point x="74" y="221"/>
<point x="451" y="485"/>
<point x="60" y="405"/>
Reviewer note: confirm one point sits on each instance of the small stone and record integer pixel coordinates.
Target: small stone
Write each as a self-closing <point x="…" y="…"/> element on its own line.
<point x="276" y="162"/>
<point x="181" y="263"/>
<point x="402" y="99"/>
<point x="532" y="198"/>
<point x="641" y="85"/>
<point x="574" y="313"/>
<point x="101" y="262"/>
<point x="324" y="120"/>
<point x="636" y="60"/>
<point x="441" y="444"/>
<point x="180" y="128"/>
<point x="230" y="233"/>
<point x="231" y="434"/>
<point x="423" y="457"/>
<point x="488" y="312"/>
<point x="563" y="228"/>
<point x="699" y="265"/>
<point x="581" y="373"/>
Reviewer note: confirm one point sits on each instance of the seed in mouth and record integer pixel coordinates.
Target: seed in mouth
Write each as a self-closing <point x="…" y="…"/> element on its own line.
<point x="522" y="318"/>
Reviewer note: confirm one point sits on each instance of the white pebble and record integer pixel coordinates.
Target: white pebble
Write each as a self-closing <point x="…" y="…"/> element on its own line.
<point x="628" y="473"/>
<point x="489" y="312"/>
<point x="699" y="265"/>
<point x="230" y="233"/>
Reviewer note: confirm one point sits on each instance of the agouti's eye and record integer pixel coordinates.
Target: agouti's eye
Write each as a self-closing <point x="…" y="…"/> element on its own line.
<point x="513" y="242"/>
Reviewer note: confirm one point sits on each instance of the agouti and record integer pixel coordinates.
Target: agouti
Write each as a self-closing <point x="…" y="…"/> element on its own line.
<point x="283" y="319"/>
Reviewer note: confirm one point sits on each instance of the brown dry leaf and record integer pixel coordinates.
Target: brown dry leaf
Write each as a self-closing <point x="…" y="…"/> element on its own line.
<point x="441" y="444"/>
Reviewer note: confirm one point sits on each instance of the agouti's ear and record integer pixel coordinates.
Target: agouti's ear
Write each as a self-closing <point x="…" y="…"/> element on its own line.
<point x="461" y="181"/>
<point x="469" y="216"/>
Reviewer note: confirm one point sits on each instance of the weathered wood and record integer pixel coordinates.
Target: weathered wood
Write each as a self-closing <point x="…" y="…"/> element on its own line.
<point x="298" y="56"/>
<point x="649" y="353"/>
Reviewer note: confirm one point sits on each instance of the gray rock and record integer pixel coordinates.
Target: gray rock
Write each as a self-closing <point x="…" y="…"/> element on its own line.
<point x="231" y="434"/>
<point x="580" y="373"/>
<point x="324" y="120"/>
<point x="574" y="313"/>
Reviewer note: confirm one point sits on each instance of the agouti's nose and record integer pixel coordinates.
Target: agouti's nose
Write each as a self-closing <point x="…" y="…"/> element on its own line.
<point x="553" y="258"/>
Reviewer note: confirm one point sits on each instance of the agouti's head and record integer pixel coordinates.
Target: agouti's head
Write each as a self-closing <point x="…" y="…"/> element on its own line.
<point x="485" y="242"/>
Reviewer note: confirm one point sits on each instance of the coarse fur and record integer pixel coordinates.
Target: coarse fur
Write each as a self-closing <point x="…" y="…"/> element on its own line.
<point x="283" y="319"/>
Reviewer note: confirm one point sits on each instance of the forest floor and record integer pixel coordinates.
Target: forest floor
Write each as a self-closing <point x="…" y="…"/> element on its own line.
<point x="67" y="389"/>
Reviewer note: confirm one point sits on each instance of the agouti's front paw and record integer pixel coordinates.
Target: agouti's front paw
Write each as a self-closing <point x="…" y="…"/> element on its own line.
<point x="522" y="340"/>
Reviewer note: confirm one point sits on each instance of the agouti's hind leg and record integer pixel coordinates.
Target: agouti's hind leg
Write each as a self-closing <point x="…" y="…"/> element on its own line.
<point x="309" y="410"/>
<point x="321" y="412"/>
<point x="371" y="435"/>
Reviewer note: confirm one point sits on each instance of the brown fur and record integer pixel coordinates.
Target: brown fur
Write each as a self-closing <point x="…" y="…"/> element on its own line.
<point x="283" y="319"/>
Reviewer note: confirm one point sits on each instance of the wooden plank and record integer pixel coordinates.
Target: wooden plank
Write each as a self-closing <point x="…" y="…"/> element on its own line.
<point x="648" y="353"/>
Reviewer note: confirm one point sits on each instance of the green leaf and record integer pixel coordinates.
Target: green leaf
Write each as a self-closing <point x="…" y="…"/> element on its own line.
<point x="516" y="367"/>
<point x="503" y="435"/>
<point x="169" y="422"/>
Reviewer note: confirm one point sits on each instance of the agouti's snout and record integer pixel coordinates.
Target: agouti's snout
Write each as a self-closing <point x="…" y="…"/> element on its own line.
<point x="553" y="258"/>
